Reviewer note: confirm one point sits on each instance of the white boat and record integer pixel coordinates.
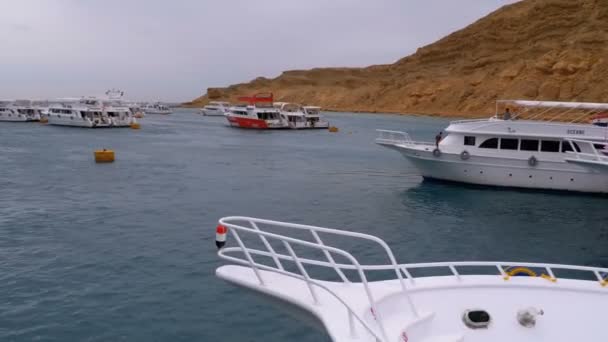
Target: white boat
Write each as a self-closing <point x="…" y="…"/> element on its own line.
<point x="467" y="301"/>
<point x="215" y="108"/>
<point x="89" y="112"/>
<point x="135" y="109"/>
<point x="156" y="108"/>
<point x="115" y="99"/>
<point x="534" y="153"/>
<point x="19" y="111"/>
<point x="301" y="117"/>
<point x="257" y="113"/>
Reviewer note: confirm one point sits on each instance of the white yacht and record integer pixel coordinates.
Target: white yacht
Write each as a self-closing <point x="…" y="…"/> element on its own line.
<point x="156" y="108"/>
<point x="19" y="110"/>
<point x="89" y="112"/>
<point x="215" y="108"/>
<point x="537" y="153"/>
<point x="301" y="117"/>
<point x="477" y="301"/>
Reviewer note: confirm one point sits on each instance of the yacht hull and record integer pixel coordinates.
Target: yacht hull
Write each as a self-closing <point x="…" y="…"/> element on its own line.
<point x="75" y="122"/>
<point x="506" y="172"/>
<point x="18" y="118"/>
<point x="251" y="123"/>
<point x="211" y="112"/>
<point x="161" y="112"/>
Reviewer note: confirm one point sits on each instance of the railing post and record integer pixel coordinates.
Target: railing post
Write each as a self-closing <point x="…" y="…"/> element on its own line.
<point x="408" y="275"/>
<point x="303" y="271"/>
<point x="454" y="272"/>
<point x="248" y="256"/>
<point x="268" y="246"/>
<point x="501" y="270"/>
<point x="329" y="257"/>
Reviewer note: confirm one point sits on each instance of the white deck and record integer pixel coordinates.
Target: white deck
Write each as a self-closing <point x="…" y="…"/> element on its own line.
<point x="409" y="308"/>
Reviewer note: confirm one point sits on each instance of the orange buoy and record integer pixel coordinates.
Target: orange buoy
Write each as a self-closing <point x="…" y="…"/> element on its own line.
<point x="104" y="156"/>
<point x="220" y="236"/>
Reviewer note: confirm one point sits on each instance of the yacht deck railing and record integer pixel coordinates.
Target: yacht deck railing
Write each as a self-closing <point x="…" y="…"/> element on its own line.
<point x="387" y="137"/>
<point x="594" y="155"/>
<point x="239" y="227"/>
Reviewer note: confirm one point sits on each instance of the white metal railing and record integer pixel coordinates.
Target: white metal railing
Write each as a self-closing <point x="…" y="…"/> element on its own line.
<point x="241" y="226"/>
<point x="388" y="137"/>
<point x="470" y="120"/>
<point x="592" y="155"/>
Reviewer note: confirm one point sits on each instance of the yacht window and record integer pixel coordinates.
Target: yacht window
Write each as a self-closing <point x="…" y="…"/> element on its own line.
<point x="508" y="144"/>
<point x="469" y="141"/>
<point x="599" y="146"/>
<point x="529" y="145"/>
<point x="549" y="146"/>
<point x="490" y="143"/>
<point x="566" y="147"/>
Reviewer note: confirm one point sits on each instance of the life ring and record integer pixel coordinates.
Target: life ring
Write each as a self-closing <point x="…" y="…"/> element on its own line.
<point x="532" y="161"/>
<point x="436" y="152"/>
<point x="464" y="155"/>
<point x="521" y="271"/>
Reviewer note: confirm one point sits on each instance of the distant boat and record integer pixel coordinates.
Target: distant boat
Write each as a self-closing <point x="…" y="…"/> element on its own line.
<point x="156" y="108"/>
<point x="215" y="108"/>
<point x="89" y="112"/>
<point x="19" y="111"/>
<point x="258" y="113"/>
<point x="301" y="117"/>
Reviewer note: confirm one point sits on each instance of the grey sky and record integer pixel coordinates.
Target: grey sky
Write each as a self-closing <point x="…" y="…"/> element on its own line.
<point x="174" y="50"/>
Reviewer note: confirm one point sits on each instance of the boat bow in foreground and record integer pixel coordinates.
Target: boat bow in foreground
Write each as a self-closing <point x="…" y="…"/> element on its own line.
<point x="469" y="301"/>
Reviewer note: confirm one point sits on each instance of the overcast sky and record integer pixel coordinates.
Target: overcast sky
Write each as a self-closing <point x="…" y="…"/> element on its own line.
<point x="173" y="50"/>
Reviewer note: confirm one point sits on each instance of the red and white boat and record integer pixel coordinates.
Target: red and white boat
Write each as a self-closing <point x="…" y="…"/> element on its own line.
<point x="257" y="113"/>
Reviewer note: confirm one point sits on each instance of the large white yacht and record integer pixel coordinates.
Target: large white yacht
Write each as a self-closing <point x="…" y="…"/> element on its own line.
<point x="301" y="117"/>
<point x="89" y="112"/>
<point x="215" y="108"/>
<point x="300" y="266"/>
<point x="19" y="111"/>
<point x="555" y="147"/>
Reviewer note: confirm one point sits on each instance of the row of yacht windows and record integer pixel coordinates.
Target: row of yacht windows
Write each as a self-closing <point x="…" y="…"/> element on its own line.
<point x="522" y="144"/>
<point x="61" y="111"/>
<point x="268" y="116"/>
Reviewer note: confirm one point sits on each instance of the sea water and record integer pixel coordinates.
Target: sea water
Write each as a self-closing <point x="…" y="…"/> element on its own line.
<point x="125" y="251"/>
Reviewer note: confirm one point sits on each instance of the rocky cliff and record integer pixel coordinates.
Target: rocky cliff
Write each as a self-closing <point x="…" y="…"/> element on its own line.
<point x="534" y="49"/>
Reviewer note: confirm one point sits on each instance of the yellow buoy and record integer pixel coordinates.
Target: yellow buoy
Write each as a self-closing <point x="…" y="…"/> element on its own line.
<point x="104" y="156"/>
<point x="44" y="120"/>
<point x="135" y="125"/>
<point x="333" y="129"/>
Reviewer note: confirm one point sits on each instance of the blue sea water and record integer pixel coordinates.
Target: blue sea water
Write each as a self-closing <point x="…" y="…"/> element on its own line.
<point x="125" y="251"/>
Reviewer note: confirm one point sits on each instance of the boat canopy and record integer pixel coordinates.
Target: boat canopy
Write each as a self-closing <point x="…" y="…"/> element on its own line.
<point x="549" y="110"/>
<point x="557" y="104"/>
<point x="264" y="98"/>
